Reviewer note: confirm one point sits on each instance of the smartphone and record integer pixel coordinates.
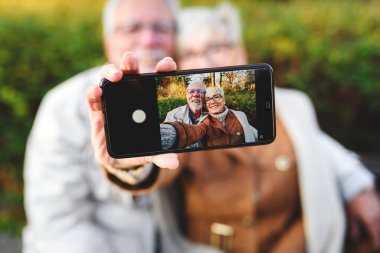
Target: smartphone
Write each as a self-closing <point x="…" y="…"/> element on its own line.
<point x="182" y="111"/>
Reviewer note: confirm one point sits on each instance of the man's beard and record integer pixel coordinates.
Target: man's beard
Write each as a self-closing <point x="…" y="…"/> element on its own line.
<point x="148" y="58"/>
<point x="196" y="106"/>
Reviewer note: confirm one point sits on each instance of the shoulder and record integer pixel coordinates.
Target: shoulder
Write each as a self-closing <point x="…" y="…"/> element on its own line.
<point x="239" y="114"/>
<point x="292" y="98"/>
<point x="65" y="105"/>
<point x="250" y="133"/>
<point x="179" y="111"/>
<point x="204" y="116"/>
<point x="72" y="92"/>
<point x="241" y="117"/>
<point x="295" y="105"/>
<point x="76" y="84"/>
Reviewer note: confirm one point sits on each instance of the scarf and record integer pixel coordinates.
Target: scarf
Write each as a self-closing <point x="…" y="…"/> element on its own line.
<point x="221" y="116"/>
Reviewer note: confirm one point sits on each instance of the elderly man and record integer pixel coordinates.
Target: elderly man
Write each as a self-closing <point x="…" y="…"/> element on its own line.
<point x="70" y="206"/>
<point x="251" y="199"/>
<point x="192" y="112"/>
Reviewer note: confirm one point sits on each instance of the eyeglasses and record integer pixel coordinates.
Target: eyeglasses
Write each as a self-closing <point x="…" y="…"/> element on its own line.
<point x="216" y="98"/>
<point x="199" y="91"/>
<point x="134" y="28"/>
<point x="214" y="53"/>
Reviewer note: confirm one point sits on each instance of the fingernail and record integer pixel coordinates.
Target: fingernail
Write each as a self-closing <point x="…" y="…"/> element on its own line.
<point x="128" y="61"/>
<point x="123" y="67"/>
<point x="112" y="71"/>
<point x="128" y="54"/>
<point x="129" y="67"/>
<point x="167" y="58"/>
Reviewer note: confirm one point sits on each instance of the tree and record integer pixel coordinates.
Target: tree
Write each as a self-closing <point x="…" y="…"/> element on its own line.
<point x="249" y="82"/>
<point x="212" y="79"/>
<point x="231" y="76"/>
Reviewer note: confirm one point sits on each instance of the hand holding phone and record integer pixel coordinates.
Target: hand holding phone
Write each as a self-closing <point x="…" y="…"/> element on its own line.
<point x="114" y="73"/>
<point x="182" y="111"/>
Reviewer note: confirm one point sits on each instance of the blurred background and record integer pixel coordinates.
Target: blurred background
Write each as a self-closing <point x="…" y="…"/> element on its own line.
<point x="328" y="49"/>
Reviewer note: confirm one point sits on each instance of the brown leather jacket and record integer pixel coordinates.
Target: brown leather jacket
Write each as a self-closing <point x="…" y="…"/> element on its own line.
<point x="210" y="131"/>
<point x="254" y="190"/>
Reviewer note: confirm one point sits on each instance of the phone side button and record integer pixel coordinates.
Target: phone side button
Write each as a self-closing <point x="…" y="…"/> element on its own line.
<point x="267" y="105"/>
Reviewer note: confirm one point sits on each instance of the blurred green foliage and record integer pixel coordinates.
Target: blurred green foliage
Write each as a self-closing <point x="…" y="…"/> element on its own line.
<point x="329" y="49"/>
<point x="245" y="103"/>
<point x="37" y="51"/>
<point x="165" y="105"/>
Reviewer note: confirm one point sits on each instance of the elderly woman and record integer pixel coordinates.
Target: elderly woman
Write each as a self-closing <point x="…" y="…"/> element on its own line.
<point x="283" y="197"/>
<point x="223" y="126"/>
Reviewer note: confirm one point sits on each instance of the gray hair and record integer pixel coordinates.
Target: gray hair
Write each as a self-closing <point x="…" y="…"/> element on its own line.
<point x="195" y="20"/>
<point x="112" y="5"/>
<point x="196" y="81"/>
<point x="215" y="90"/>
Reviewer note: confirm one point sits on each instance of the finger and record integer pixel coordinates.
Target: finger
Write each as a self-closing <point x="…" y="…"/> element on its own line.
<point x="99" y="144"/>
<point x="374" y="233"/>
<point x="129" y="63"/>
<point x="371" y="223"/>
<point x="163" y="161"/>
<point x="93" y="95"/>
<point x="354" y="227"/>
<point x="166" y="65"/>
<point x="130" y="162"/>
<point x="169" y="161"/>
<point x="111" y="72"/>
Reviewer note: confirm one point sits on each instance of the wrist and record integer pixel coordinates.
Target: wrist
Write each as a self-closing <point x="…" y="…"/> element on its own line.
<point x="132" y="175"/>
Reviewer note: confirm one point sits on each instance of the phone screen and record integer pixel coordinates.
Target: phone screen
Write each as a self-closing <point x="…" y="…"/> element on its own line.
<point x="188" y="110"/>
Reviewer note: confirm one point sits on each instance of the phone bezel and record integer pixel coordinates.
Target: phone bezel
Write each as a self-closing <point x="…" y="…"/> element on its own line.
<point x="269" y="122"/>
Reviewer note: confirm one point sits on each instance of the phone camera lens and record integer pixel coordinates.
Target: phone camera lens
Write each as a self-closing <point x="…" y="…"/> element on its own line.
<point x="139" y="116"/>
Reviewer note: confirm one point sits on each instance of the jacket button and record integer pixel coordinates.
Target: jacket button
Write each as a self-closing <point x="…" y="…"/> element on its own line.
<point x="237" y="133"/>
<point x="282" y="163"/>
<point x="248" y="221"/>
<point x="256" y="196"/>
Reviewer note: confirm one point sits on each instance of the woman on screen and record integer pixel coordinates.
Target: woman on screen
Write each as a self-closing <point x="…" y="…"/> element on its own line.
<point x="223" y="126"/>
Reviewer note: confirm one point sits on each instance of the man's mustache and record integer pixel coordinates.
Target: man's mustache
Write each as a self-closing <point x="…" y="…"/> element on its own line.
<point x="196" y="100"/>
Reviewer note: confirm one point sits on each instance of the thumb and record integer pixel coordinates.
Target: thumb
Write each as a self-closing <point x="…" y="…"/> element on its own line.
<point x="169" y="161"/>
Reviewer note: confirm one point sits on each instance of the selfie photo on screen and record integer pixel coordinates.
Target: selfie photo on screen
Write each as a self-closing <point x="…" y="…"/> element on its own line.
<point x="207" y="110"/>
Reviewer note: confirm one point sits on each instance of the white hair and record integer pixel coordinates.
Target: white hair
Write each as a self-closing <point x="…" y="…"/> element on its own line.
<point x="194" y="82"/>
<point x="112" y="5"/>
<point x="201" y="20"/>
<point x="215" y="90"/>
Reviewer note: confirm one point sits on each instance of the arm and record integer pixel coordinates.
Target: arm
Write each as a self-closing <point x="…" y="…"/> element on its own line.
<point x="117" y="169"/>
<point x="58" y="211"/>
<point x="351" y="176"/>
<point x="357" y="186"/>
<point x="188" y="134"/>
<point x="353" y="179"/>
<point x="141" y="179"/>
<point x="144" y="178"/>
